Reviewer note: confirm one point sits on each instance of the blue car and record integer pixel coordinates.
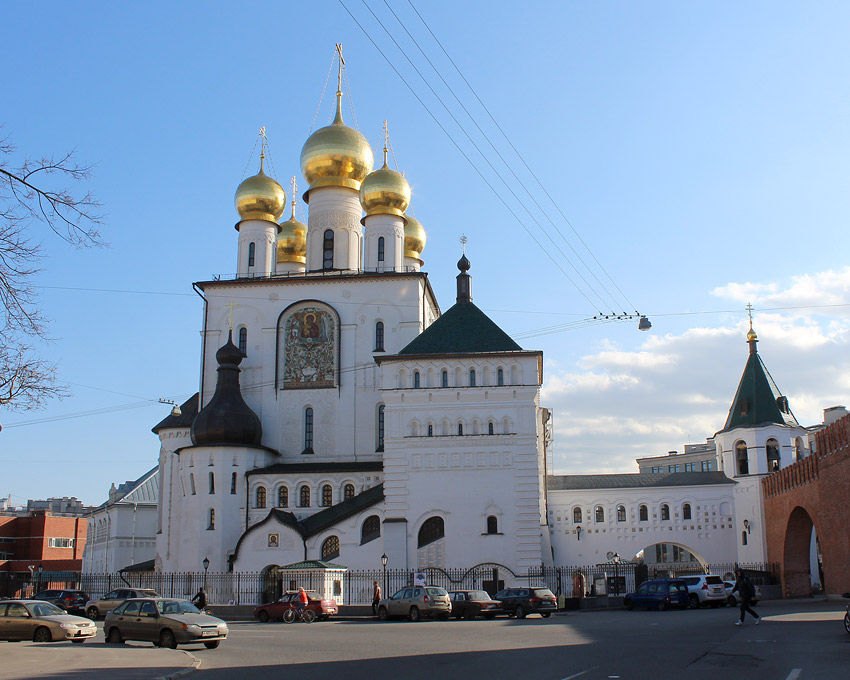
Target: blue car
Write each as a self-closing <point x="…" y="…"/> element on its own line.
<point x="659" y="594"/>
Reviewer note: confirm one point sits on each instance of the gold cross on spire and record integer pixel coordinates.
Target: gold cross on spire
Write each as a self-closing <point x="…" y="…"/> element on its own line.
<point x="262" y="146"/>
<point x="341" y="65"/>
<point x="294" y="185"/>
<point x="463" y="242"/>
<point x="230" y="304"/>
<point x="386" y="141"/>
<point x="750" y="314"/>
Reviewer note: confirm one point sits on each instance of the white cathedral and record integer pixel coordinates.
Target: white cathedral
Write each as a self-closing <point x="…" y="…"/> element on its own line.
<point x="341" y="415"/>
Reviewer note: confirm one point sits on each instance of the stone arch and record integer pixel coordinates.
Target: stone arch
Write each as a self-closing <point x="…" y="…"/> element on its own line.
<point x="796" y="577"/>
<point x="660" y="566"/>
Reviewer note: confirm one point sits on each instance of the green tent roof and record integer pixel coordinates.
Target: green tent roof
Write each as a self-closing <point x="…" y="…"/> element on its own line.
<point x="758" y="399"/>
<point x="463" y="329"/>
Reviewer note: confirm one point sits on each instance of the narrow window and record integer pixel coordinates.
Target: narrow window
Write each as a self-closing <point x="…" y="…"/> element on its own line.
<point x="261" y="496"/>
<point x="379" y="336"/>
<point x="576" y="515"/>
<point x="686" y="511"/>
<point x="308" y="430"/>
<point x="233" y="479"/>
<point x="212" y="482"/>
<point x="741" y="458"/>
<point x="328" y="250"/>
<point x="621" y="513"/>
<point x="492" y="525"/>
<point x="743" y="538"/>
<point x="430" y="430"/>
<point x="327" y="496"/>
<point x="380" y="428"/>
<point x="665" y="512"/>
<point x="772" y="448"/>
<point x="192" y="482"/>
<point x="212" y="520"/>
<point x="500" y="377"/>
<point x="445" y="382"/>
<point x="600" y="513"/>
<point x="643" y="514"/>
<point x="304" y="496"/>
<point x="283" y="497"/>
<point x="370" y="530"/>
<point x="330" y="548"/>
<point x="472" y="377"/>
<point x="252" y="249"/>
<point x="380" y="249"/>
<point x="243" y="341"/>
<point x="416" y="380"/>
<point x="460" y="428"/>
<point x="348" y="491"/>
<point x="709" y="466"/>
<point x="432" y="530"/>
<point x="490" y="429"/>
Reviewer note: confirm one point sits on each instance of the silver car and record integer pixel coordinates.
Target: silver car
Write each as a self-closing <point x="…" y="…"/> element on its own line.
<point x="41" y="622"/>
<point x="414" y="602"/>
<point x="166" y="622"/>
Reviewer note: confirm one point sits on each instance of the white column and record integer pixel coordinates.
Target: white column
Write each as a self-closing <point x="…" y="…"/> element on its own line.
<point x="337" y="209"/>
<point x="264" y="237"/>
<point x="391" y="229"/>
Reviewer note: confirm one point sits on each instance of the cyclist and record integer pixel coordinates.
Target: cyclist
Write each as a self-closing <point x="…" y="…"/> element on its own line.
<point x="302" y="601"/>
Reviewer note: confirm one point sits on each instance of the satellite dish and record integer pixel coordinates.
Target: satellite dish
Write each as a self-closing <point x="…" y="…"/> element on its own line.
<point x="609" y="555"/>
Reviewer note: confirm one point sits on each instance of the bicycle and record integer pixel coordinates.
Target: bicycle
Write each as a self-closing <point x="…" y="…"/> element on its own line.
<point x="305" y="615"/>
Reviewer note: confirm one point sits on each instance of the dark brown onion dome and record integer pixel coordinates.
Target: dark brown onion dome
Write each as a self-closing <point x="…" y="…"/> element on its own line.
<point x="227" y="419"/>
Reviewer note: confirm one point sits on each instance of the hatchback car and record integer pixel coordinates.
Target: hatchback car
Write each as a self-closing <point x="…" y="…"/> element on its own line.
<point x="97" y="608"/>
<point x="705" y="590"/>
<point x="323" y="609"/>
<point x="164" y="621"/>
<point x="42" y="622"/>
<point x="72" y="601"/>
<point x="467" y="604"/>
<point x="521" y="602"/>
<point x="414" y="602"/>
<point x="659" y="594"/>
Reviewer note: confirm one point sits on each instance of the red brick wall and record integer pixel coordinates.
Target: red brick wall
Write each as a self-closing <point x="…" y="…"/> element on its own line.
<point x="31" y="536"/>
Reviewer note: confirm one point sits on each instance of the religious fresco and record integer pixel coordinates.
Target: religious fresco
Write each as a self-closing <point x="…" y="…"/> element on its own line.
<point x="309" y="349"/>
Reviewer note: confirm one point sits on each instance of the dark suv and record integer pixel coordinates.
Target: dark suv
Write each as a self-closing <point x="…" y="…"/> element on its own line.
<point x="521" y="602"/>
<point x="72" y="601"/>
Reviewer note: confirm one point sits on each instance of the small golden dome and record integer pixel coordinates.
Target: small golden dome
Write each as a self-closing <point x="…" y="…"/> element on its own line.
<point x="292" y="240"/>
<point x="751" y="335"/>
<point x="336" y="155"/>
<point x="385" y="192"/>
<point x="260" y="198"/>
<point x="414" y="238"/>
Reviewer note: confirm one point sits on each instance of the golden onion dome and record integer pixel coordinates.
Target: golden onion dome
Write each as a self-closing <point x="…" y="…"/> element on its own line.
<point x="336" y="155"/>
<point x="751" y="335"/>
<point x="414" y="238"/>
<point x="292" y="240"/>
<point x="385" y="192"/>
<point x="260" y="198"/>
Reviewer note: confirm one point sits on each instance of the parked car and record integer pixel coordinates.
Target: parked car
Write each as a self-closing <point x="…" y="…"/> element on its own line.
<point x="414" y="602"/>
<point x="323" y="609"/>
<point x="71" y="601"/>
<point x="659" y="594"/>
<point x="847" y="615"/>
<point x="705" y="590"/>
<point x="42" y="622"/>
<point x="97" y="608"/>
<point x="521" y="602"/>
<point x="164" y="621"/>
<point x="732" y="598"/>
<point x="467" y="604"/>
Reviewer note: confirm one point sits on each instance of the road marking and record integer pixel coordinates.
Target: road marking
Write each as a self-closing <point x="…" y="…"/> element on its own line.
<point x="575" y="675"/>
<point x="794" y="674"/>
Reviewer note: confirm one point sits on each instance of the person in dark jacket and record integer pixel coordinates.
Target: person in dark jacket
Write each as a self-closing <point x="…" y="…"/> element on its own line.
<point x="746" y="593"/>
<point x="200" y="600"/>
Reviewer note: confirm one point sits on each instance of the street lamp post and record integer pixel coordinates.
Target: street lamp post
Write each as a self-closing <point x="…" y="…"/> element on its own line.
<point x="384" y="560"/>
<point x="40" y="569"/>
<point x="206" y="564"/>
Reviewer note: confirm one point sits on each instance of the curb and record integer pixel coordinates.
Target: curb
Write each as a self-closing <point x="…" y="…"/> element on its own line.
<point x="195" y="665"/>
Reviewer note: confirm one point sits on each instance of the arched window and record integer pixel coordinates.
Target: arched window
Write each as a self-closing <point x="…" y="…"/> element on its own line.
<point x="212" y="520"/>
<point x="212" y="482"/>
<point x="665" y="511"/>
<point x="430" y="430"/>
<point x="472" y="377"/>
<point x="380" y="249"/>
<point x="308" y="430"/>
<point x="576" y="515"/>
<point x="243" y="341"/>
<point x="416" y="380"/>
<point x="445" y="379"/>
<point x="233" y="478"/>
<point x="492" y="524"/>
<point x="643" y="514"/>
<point x="304" y="496"/>
<point x="460" y="428"/>
<point x="348" y="491"/>
<point x="330" y="548"/>
<point x="252" y="250"/>
<point x="261" y="497"/>
<point x="328" y="250"/>
<point x="379" y="336"/>
<point x="371" y="529"/>
<point x="600" y="513"/>
<point x="743" y="538"/>
<point x="772" y="448"/>
<point x="283" y="497"/>
<point x="798" y="449"/>
<point x="380" y="428"/>
<point x="621" y="513"/>
<point x="742" y="459"/>
<point x="686" y="511"/>
<point x="192" y="482"/>
<point x="490" y="428"/>
<point x="327" y="496"/>
<point x="432" y="530"/>
<point x="500" y="377"/>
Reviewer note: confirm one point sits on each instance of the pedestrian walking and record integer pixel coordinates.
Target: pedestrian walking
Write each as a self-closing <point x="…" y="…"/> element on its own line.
<point x="376" y="597"/>
<point x="746" y="593"/>
<point x="200" y="600"/>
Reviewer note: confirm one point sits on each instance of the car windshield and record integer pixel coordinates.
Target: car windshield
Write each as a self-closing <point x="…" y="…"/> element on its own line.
<point x="176" y="607"/>
<point x="45" y="609"/>
<point x="478" y="595"/>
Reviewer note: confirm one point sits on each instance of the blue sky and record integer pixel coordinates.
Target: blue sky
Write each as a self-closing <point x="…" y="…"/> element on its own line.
<point x="700" y="150"/>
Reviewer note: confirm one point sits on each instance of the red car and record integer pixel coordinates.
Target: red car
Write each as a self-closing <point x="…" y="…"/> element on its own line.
<point x="323" y="609"/>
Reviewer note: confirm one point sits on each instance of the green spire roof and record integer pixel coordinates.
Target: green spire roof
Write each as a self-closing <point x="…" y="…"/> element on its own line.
<point x="758" y="399"/>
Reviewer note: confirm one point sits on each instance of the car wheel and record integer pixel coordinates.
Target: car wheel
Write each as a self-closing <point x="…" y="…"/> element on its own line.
<point x="629" y="604"/>
<point x="847" y="622"/>
<point x="42" y="634"/>
<point x="263" y="616"/>
<point x="414" y="614"/>
<point x="693" y="601"/>
<point x="309" y="616"/>
<point x="212" y="644"/>
<point x="92" y="613"/>
<point x="545" y="615"/>
<point x="167" y="639"/>
<point x="662" y="605"/>
<point x="382" y="614"/>
<point x="289" y="616"/>
<point x="519" y="612"/>
<point x="114" y="637"/>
